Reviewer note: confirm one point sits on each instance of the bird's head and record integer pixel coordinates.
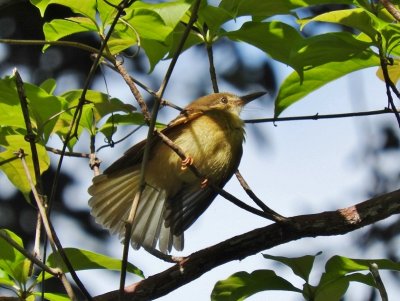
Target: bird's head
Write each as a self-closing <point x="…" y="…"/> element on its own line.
<point x="222" y="101"/>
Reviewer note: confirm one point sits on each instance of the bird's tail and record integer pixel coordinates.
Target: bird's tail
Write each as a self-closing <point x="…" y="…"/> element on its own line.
<point x="111" y="201"/>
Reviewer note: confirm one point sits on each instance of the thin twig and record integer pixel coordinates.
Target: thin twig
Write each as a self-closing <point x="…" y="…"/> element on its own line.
<point x="36" y="247"/>
<point x="47" y="225"/>
<point x="135" y="91"/>
<point x="318" y="116"/>
<point x="374" y="269"/>
<point x="388" y="82"/>
<point x="55" y="43"/>
<point x="30" y="135"/>
<point x="273" y="215"/>
<point x="31" y="138"/>
<point x="67" y="154"/>
<point x="213" y="74"/>
<point x="164" y="102"/>
<point x="391" y="9"/>
<point x="32" y="258"/>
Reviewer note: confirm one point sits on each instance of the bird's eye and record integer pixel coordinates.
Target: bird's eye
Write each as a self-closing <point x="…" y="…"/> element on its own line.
<point x="224" y="100"/>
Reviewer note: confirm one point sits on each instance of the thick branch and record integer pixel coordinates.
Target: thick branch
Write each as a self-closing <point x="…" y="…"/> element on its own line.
<point x="322" y="224"/>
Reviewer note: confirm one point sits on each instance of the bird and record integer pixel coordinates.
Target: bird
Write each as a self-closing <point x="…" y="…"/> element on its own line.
<point x="211" y="134"/>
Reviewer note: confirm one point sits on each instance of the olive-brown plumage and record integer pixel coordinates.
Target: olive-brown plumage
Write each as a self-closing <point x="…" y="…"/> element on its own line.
<point x="211" y="133"/>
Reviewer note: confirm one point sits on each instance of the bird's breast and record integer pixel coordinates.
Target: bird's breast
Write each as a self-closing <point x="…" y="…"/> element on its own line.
<point x="213" y="142"/>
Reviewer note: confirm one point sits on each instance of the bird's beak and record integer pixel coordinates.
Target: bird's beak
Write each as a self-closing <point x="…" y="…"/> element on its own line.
<point x="250" y="97"/>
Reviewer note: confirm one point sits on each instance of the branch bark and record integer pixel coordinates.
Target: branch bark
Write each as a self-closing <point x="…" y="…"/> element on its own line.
<point x="236" y="248"/>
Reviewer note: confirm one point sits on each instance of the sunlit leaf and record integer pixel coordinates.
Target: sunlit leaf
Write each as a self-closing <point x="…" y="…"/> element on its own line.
<point x="88" y="260"/>
<point x="266" y="9"/>
<point x="86" y="8"/>
<point x="60" y="28"/>
<point x="49" y="85"/>
<point x="301" y="266"/>
<point x="293" y="88"/>
<point x="53" y="296"/>
<point x="241" y="285"/>
<point x="393" y="70"/>
<point x="13" y="167"/>
<point x="12" y="262"/>
<point x="340" y="271"/>
<point x="283" y="43"/>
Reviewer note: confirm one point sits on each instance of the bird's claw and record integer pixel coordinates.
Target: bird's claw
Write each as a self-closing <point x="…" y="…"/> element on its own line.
<point x="187" y="162"/>
<point x="204" y="183"/>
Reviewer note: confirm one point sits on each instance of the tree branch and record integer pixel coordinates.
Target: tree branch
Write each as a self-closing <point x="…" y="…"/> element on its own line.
<point x="391" y="9"/>
<point x="318" y="116"/>
<point x="322" y="224"/>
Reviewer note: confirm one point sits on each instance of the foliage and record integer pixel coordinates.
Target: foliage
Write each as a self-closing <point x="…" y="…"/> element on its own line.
<point x="16" y="274"/>
<point x="157" y="29"/>
<point x="339" y="272"/>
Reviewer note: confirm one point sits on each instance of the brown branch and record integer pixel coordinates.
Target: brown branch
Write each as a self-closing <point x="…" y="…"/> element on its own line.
<point x="322" y="224"/>
<point x="391" y="9"/>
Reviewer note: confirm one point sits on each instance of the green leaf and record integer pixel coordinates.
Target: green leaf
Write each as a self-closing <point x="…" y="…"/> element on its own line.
<point x="357" y="18"/>
<point x="53" y="296"/>
<point x="293" y="89"/>
<point x="393" y="70"/>
<point x="10" y="108"/>
<point x="5" y="279"/>
<point x="301" y="266"/>
<point x="88" y="260"/>
<point x="277" y="39"/>
<point x="283" y="43"/>
<point x="107" y="13"/>
<point x="340" y="271"/>
<point x="49" y="85"/>
<point x="12" y="166"/>
<point x="213" y="17"/>
<point x="13" y="262"/>
<point x="96" y="107"/>
<point x="43" y="107"/>
<point x="265" y="9"/>
<point x="86" y="8"/>
<point x="170" y="12"/>
<point x="241" y="285"/>
<point x="60" y="28"/>
<point x="150" y="26"/>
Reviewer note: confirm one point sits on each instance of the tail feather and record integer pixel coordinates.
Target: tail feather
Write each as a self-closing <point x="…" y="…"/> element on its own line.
<point x="111" y="201"/>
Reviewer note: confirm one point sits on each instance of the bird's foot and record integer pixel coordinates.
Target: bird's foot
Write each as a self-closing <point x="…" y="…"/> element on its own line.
<point x="187" y="162"/>
<point x="204" y="183"/>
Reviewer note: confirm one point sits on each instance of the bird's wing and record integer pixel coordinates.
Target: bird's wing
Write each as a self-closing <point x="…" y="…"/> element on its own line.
<point x="184" y="208"/>
<point x="134" y="155"/>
